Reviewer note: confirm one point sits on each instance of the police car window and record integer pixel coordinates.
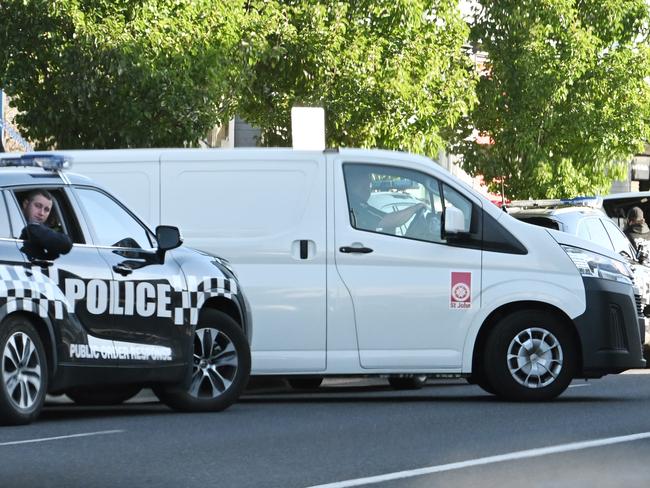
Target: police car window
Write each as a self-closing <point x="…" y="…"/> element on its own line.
<point x="598" y="233"/>
<point x="583" y="231"/>
<point x="393" y="201"/>
<point x="621" y="242"/>
<point x="113" y="225"/>
<point x="5" y="228"/>
<point x="61" y="217"/>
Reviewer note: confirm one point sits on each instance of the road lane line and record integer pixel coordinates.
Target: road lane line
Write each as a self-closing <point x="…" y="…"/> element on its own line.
<point x="579" y="385"/>
<point x="71" y="436"/>
<point x="542" y="451"/>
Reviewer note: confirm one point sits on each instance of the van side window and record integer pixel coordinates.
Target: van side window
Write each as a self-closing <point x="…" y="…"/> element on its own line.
<point x="113" y="226"/>
<point x="394" y="201"/>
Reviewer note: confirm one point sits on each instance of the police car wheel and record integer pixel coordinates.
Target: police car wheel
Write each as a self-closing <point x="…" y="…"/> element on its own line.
<point x="308" y="383"/>
<point x="102" y="395"/>
<point x="24" y="372"/>
<point x="222" y="364"/>
<point x="530" y="356"/>
<point x="408" y="382"/>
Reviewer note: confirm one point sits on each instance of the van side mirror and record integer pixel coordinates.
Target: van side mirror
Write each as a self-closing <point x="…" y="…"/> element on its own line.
<point x="454" y="221"/>
<point x="169" y="237"/>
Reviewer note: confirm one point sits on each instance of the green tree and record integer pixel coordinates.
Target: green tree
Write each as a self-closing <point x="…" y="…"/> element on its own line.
<point x="120" y="73"/>
<point x="563" y="96"/>
<point x="389" y="73"/>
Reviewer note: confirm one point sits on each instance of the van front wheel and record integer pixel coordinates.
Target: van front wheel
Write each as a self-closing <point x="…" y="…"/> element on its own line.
<point x="530" y="356"/>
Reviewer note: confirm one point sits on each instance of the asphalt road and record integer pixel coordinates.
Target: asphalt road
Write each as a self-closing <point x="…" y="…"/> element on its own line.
<point x="447" y="434"/>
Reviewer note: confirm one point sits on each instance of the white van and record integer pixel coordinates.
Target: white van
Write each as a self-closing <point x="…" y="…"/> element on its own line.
<point x="450" y="285"/>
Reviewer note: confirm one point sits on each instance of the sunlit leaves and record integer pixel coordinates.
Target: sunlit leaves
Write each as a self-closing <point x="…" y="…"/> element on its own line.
<point x="564" y="98"/>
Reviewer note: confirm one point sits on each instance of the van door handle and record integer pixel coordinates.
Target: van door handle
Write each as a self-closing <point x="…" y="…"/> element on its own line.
<point x="359" y="250"/>
<point x="123" y="270"/>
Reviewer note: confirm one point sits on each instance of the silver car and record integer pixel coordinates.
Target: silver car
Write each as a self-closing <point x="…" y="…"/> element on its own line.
<point x="595" y="226"/>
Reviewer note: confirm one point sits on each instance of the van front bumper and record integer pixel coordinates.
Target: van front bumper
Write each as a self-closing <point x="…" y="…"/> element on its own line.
<point x="611" y="332"/>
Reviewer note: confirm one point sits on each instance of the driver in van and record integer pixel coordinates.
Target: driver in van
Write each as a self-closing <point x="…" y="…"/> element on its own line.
<point x="365" y="216"/>
<point x="40" y="241"/>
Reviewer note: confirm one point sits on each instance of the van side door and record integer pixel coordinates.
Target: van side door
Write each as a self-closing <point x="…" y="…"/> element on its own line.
<point x="265" y="212"/>
<point x="414" y="292"/>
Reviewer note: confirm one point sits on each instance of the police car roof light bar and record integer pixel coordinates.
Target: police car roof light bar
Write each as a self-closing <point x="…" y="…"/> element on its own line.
<point x="51" y="162"/>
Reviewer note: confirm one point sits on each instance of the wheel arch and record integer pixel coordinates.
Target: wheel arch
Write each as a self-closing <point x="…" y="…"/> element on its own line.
<point x="504" y="310"/>
<point x="45" y="332"/>
<point x="230" y="308"/>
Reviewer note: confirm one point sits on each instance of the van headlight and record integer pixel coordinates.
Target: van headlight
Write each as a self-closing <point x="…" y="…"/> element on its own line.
<point x="596" y="265"/>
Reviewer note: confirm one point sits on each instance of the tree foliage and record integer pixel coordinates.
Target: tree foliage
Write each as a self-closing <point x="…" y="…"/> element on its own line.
<point x="563" y="97"/>
<point x="120" y="73"/>
<point x="389" y="73"/>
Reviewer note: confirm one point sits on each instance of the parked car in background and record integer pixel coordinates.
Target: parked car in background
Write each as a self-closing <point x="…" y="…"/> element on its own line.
<point x="595" y="226"/>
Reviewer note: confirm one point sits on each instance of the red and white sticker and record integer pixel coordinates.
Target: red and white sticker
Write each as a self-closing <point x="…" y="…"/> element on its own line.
<point x="461" y="290"/>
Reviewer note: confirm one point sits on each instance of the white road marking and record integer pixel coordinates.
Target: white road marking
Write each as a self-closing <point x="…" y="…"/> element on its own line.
<point x="578" y="385"/>
<point x="637" y="371"/>
<point x="543" y="451"/>
<point x="71" y="436"/>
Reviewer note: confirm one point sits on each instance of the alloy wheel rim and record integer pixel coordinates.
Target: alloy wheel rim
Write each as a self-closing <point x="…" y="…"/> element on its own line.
<point x="535" y="358"/>
<point x="21" y="371"/>
<point x="215" y="363"/>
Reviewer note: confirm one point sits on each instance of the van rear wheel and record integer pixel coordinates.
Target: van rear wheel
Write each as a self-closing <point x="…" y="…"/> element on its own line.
<point x="530" y="356"/>
<point x="222" y="364"/>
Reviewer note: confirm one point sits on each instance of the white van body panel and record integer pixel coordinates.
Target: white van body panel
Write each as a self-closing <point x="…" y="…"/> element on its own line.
<point x="257" y="210"/>
<point x="334" y="313"/>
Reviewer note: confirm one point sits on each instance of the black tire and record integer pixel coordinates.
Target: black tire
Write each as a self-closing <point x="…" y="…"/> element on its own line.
<point x="102" y="395"/>
<point x="408" y="382"/>
<point x="478" y="378"/>
<point x="307" y="383"/>
<point x="23" y="372"/>
<point x="530" y="356"/>
<point x="218" y="377"/>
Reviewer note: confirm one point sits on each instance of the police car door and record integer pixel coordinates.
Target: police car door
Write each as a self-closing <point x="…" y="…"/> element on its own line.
<point x="10" y="259"/>
<point x="80" y="275"/>
<point x="144" y="292"/>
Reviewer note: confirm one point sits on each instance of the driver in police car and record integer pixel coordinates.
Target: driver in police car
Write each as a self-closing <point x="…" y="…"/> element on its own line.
<point x="367" y="217"/>
<point x="41" y="242"/>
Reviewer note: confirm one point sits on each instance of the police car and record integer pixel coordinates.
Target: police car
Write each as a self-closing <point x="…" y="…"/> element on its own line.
<point x="124" y="308"/>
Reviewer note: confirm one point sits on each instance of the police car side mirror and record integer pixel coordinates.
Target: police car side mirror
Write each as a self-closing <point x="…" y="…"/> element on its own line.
<point x="168" y="237"/>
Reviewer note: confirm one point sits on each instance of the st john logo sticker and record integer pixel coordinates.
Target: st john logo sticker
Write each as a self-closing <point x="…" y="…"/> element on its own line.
<point x="461" y="290"/>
